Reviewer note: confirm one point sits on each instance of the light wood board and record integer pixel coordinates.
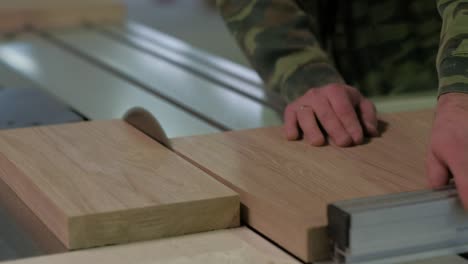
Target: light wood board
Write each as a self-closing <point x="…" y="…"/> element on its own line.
<point x="104" y="182"/>
<point x="234" y="246"/>
<point x="453" y="259"/>
<point x="16" y="15"/>
<point x="286" y="186"/>
<point x="30" y="225"/>
<point x="439" y="260"/>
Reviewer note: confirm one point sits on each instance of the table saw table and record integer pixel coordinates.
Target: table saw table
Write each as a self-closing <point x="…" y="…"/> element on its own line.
<point x="102" y="71"/>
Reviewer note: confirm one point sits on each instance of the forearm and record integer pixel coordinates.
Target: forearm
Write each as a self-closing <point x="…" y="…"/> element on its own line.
<point x="277" y="39"/>
<point x="452" y="59"/>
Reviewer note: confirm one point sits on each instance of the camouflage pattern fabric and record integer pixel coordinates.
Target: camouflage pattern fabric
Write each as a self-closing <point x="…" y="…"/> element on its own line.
<point x="381" y="47"/>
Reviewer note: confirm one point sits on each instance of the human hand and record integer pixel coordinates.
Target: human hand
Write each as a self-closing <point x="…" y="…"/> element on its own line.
<point x="342" y="111"/>
<point x="448" y="152"/>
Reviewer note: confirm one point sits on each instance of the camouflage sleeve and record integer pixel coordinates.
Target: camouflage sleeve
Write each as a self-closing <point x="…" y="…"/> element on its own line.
<point x="277" y="39"/>
<point x="452" y="59"/>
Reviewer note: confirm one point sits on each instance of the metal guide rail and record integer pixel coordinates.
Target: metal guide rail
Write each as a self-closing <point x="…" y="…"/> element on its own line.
<point x="397" y="228"/>
<point x="103" y="72"/>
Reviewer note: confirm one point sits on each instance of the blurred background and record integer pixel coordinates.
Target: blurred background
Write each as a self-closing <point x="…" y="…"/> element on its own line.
<point x="195" y="22"/>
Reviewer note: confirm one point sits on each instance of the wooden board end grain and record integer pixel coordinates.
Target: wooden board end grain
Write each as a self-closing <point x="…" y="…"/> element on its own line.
<point x="104" y="182"/>
<point x="16" y="15"/>
<point x="234" y="246"/>
<point x="285" y="187"/>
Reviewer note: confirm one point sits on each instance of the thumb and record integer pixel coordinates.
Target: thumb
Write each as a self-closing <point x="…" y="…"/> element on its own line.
<point x="438" y="173"/>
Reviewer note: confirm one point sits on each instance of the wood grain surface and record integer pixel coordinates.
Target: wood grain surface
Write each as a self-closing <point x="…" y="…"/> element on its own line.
<point x="16" y="15"/>
<point x="286" y="186"/>
<point x="105" y="182"/>
<point x="234" y="246"/>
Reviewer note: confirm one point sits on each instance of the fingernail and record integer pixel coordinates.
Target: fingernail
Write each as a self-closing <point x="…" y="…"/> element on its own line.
<point x="318" y="142"/>
<point x="344" y="142"/>
<point x="290" y="135"/>
<point x="358" y="139"/>
<point x="373" y="129"/>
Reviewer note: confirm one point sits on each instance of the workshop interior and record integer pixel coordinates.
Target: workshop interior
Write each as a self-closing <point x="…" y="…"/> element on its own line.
<point x="208" y="132"/>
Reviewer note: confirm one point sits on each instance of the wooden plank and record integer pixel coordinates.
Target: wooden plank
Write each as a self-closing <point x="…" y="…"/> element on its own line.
<point x="226" y="107"/>
<point x="105" y="182"/>
<point x="15" y="15"/>
<point x="73" y="81"/>
<point x="286" y="186"/>
<point x="36" y="238"/>
<point x="234" y="246"/>
<point x="437" y="260"/>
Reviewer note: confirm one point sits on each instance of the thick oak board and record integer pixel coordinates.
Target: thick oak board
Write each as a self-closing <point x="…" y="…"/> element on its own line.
<point x="32" y="229"/>
<point x="285" y="187"/>
<point x="233" y="246"/>
<point x="15" y="15"/>
<point x="105" y="182"/>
